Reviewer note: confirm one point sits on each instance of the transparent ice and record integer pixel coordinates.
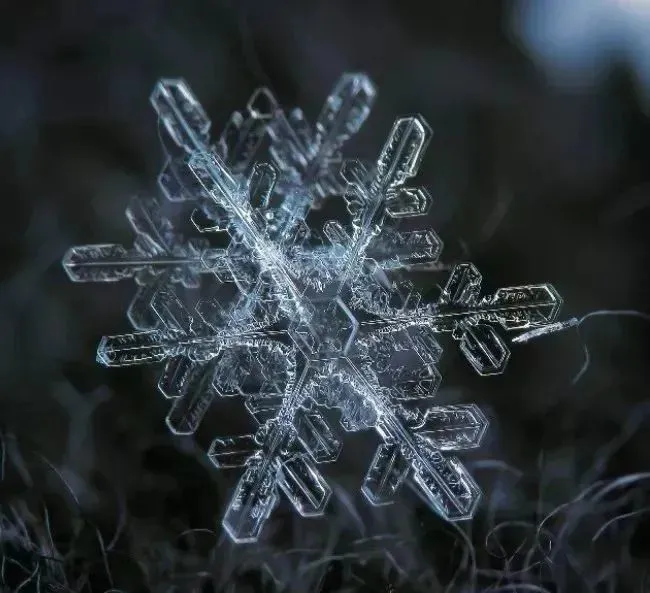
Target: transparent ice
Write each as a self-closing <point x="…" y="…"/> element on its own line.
<point x="297" y="321"/>
<point x="159" y="257"/>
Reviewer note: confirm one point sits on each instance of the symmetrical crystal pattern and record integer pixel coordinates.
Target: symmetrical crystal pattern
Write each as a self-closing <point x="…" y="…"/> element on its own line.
<point x="297" y="320"/>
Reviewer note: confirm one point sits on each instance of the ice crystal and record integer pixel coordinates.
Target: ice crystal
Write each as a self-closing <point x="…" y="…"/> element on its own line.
<point x="296" y="321"/>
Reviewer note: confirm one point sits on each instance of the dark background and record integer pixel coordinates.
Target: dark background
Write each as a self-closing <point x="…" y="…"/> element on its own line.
<point x="531" y="182"/>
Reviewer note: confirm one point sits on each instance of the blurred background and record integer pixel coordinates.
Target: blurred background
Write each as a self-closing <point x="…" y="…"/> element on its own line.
<point x="539" y="171"/>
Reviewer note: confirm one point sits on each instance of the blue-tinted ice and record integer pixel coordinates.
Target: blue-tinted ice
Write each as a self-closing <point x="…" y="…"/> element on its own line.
<point x="298" y="320"/>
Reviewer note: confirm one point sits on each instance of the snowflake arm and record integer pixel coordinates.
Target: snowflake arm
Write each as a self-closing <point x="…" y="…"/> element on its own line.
<point x="186" y="124"/>
<point x="461" y="312"/>
<point x="310" y="157"/>
<point x="373" y="195"/>
<point x="160" y="257"/>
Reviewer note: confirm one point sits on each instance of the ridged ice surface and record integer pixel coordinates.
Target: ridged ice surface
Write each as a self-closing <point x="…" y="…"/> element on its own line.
<point x="299" y="320"/>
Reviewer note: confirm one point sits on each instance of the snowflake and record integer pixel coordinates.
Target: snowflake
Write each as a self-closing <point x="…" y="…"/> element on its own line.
<point x="297" y="322"/>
